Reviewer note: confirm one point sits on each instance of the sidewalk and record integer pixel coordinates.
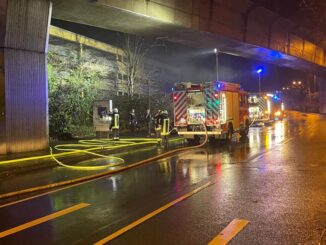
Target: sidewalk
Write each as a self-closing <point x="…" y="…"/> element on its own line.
<point x="40" y="172"/>
<point x="16" y="163"/>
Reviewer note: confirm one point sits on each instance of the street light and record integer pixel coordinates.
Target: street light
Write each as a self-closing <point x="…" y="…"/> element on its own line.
<point x="216" y="51"/>
<point x="259" y="71"/>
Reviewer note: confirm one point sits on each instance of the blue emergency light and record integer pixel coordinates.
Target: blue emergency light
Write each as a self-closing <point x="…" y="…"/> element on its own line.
<point x="275" y="97"/>
<point x="218" y="86"/>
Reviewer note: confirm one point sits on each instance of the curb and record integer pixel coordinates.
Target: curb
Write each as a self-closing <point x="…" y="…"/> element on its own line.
<point x="97" y="176"/>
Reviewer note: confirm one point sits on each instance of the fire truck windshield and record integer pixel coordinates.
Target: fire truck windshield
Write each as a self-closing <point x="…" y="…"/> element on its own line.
<point x="196" y="99"/>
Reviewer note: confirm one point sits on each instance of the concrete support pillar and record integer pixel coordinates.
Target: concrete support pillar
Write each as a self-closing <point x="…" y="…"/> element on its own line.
<point x="24" y="26"/>
<point x="322" y="94"/>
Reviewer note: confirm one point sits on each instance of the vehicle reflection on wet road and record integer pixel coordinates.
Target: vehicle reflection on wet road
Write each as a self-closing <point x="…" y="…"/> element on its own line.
<point x="275" y="180"/>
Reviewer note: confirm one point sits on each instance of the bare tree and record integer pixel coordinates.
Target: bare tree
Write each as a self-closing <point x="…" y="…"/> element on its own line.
<point x="135" y="49"/>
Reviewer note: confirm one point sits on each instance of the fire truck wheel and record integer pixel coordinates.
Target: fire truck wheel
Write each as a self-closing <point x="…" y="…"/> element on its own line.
<point x="229" y="133"/>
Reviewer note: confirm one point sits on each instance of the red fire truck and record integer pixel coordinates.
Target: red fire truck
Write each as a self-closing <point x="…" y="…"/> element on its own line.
<point x="221" y="106"/>
<point x="264" y="108"/>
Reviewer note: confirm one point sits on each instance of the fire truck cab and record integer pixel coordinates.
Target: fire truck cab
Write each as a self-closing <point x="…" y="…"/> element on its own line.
<point x="220" y="106"/>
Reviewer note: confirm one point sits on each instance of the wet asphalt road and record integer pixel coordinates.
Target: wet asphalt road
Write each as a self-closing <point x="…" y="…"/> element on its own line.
<point x="276" y="180"/>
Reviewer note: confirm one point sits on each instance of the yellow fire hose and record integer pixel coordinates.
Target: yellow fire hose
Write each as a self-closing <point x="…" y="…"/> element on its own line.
<point x="103" y="174"/>
<point x="88" y="146"/>
<point x="75" y="151"/>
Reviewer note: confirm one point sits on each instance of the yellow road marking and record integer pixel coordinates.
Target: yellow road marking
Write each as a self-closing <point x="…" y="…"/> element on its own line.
<point x="86" y="179"/>
<point x="43" y="219"/>
<point x="229" y="232"/>
<point x="53" y="191"/>
<point x="150" y="215"/>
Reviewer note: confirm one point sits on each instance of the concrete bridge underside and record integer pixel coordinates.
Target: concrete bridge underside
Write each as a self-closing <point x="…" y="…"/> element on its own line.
<point x="236" y="27"/>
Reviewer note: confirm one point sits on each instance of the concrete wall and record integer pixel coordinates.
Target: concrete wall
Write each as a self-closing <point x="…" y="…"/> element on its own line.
<point x="108" y="59"/>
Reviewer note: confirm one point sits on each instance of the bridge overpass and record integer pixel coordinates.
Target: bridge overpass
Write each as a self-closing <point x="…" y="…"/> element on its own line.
<point x="234" y="26"/>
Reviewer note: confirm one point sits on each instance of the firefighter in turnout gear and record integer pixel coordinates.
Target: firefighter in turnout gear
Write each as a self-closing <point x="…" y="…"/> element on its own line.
<point x="164" y="115"/>
<point x="165" y="125"/>
<point x="115" y="124"/>
<point x="157" y="120"/>
<point x="162" y="123"/>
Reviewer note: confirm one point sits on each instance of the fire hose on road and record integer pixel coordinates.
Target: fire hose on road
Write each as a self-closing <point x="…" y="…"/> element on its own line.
<point x="89" y="146"/>
<point x="103" y="174"/>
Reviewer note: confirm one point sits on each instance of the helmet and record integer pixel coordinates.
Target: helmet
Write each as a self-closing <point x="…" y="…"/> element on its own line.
<point x="115" y="110"/>
<point x="165" y="112"/>
<point x="132" y="110"/>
